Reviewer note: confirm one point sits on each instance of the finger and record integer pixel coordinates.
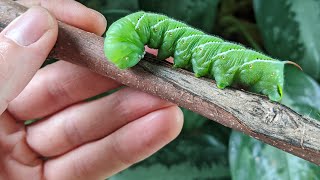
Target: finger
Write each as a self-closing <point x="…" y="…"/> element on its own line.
<point x="130" y="144"/>
<point x="15" y="154"/>
<point x="29" y="3"/>
<point x="57" y="86"/>
<point x="24" y="45"/>
<point x="73" y="13"/>
<point x="90" y="121"/>
<point x="8" y="125"/>
<point x="155" y="52"/>
<point x="13" y="143"/>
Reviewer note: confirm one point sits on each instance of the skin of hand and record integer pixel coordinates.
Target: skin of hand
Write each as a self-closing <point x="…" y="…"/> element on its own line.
<point x="75" y="139"/>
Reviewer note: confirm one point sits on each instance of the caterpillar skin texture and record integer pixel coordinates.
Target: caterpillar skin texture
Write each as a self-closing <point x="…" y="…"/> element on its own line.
<point x="228" y="63"/>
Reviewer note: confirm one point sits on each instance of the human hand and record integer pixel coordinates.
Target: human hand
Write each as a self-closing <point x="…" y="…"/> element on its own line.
<point x="75" y="139"/>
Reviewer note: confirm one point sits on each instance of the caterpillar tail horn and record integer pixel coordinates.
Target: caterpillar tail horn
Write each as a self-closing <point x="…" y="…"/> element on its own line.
<point x="293" y="63"/>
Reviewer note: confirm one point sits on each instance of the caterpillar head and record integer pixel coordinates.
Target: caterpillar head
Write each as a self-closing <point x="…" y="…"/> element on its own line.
<point x="122" y="44"/>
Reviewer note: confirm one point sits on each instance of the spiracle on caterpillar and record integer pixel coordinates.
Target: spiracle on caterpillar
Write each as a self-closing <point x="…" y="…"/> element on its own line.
<point x="226" y="62"/>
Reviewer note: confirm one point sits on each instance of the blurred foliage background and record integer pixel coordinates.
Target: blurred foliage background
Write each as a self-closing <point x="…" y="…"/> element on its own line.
<point x="284" y="29"/>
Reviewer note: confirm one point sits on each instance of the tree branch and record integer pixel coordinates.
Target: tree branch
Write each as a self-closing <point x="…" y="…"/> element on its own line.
<point x="252" y="114"/>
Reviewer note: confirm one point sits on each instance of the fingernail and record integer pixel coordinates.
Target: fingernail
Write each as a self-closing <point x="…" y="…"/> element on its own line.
<point x="180" y="115"/>
<point x="30" y="26"/>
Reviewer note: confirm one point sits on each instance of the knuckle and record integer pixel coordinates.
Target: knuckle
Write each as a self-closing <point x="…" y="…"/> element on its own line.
<point x="120" y="106"/>
<point x="72" y="133"/>
<point x="119" y="153"/>
<point x="57" y="90"/>
<point x="6" y="70"/>
<point x="82" y="168"/>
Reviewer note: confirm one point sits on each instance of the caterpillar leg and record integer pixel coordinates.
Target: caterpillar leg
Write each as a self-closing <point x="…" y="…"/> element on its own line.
<point x="201" y="61"/>
<point x="164" y="53"/>
<point x="263" y="76"/>
<point x="224" y="82"/>
<point x="201" y="70"/>
<point x="225" y="66"/>
<point x="274" y="92"/>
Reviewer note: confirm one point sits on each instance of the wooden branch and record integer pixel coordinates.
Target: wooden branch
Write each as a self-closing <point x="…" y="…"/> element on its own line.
<point x="252" y="114"/>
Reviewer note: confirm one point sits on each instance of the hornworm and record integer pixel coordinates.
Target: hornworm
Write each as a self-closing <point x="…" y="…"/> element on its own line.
<point x="228" y="63"/>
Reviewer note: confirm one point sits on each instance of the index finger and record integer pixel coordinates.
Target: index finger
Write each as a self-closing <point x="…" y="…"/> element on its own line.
<point x="73" y="13"/>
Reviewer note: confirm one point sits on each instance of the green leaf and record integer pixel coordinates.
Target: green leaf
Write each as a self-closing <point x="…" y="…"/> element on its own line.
<point x="186" y="158"/>
<point x="196" y="124"/>
<point x="252" y="159"/>
<point x="196" y="154"/>
<point x="113" y="10"/>
<point x="301" y="93"/>
<point x="131" y="5"/>
<point x="291" y="31"/>
<point x="192" y="120"/>
<point x="200" y="14"/>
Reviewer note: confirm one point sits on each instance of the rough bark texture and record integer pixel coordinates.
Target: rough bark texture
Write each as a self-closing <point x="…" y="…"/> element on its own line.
<point x="252" y="114"/>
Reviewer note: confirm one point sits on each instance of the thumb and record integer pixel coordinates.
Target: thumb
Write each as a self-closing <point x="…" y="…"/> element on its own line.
<point x="24" y="45"/>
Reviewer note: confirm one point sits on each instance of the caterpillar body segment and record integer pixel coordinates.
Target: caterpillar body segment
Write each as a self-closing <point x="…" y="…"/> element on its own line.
<point x="228" y="63"/>
<point x="200" y="62"/>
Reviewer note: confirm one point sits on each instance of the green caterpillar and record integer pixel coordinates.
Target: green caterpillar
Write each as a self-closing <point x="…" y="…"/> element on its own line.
<point x="228" y="63"/>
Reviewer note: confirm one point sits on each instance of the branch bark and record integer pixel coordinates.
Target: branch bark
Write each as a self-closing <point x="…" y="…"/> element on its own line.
<point x="252" y="114"/>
